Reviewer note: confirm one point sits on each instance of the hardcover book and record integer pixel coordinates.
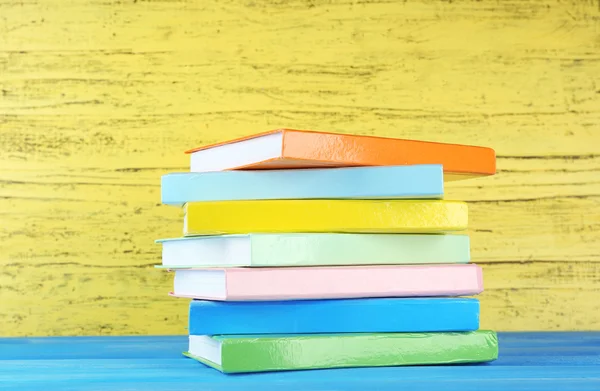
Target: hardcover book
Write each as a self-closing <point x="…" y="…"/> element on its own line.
<point x="252" y="353"/>
<point x="313" y="249"/>
<point x="349" y="216"/>
<point x="392" y="182"/>
<point x="300" y="283"/>
<point x="381" y="315"/>
<point x="288" y="148"/>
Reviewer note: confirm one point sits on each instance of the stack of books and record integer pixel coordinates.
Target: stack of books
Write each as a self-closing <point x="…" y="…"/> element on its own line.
<point x="305" y="250"/>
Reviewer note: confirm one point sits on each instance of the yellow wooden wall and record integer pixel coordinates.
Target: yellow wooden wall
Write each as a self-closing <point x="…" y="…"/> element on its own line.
<point x="99" y="98"/>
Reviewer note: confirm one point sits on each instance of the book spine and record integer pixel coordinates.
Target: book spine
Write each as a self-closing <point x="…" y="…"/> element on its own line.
<point x="334" y="316"/>
<point x="358" y="249"/>
<point x="359" y="216"/>
<point x="353" y="282"/>
<point x="421" y="181"/>
<point x="371" y="350"/>
<point x="351" y="150"/>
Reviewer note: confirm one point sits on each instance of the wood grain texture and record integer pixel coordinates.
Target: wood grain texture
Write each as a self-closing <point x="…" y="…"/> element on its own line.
<point x="98" y="102"/>
<point x="527" y="361"/>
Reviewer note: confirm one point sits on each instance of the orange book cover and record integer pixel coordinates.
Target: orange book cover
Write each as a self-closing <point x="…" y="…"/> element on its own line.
<point x="289" y="148"/>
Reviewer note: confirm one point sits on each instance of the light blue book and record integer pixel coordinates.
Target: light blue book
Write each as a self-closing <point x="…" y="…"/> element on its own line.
<point x="387" y="182"/>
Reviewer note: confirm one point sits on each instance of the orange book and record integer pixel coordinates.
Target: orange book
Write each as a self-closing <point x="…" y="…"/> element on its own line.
<point x="288" y="148"/>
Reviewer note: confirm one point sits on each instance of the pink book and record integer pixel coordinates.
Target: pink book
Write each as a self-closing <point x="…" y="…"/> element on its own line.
<point x="299" y="283"/>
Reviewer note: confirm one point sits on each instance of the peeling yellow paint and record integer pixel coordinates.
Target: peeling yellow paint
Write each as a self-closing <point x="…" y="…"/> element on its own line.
<point x="98" y="99"/>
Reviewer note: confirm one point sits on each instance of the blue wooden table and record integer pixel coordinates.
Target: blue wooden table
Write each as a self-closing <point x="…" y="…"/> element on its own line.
<point x="528" y="361"/>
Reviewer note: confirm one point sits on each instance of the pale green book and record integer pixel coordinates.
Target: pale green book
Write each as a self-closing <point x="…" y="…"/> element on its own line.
<point x="327" y="249"/>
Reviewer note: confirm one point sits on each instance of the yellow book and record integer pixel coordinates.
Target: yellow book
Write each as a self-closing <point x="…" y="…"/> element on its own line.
<point x="357" y="216"/>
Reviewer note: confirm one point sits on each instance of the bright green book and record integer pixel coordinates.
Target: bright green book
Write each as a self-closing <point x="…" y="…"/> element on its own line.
<point x="314" y="249"/>
<point x="253" y="353"/>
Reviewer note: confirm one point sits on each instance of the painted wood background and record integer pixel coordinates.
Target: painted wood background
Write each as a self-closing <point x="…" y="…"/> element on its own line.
<point x="99" y="98"/>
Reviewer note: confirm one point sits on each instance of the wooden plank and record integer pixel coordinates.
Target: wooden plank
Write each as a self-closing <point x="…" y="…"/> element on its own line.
<point x="173" y="375"/>
<point x="148" y="139"/>
<point x="517" y="178"/>
<point x="58" y="299"/>
<point x="117" y="224"/>
<point x="535" y="95"/>
<point x="76" y="300"/>
<point x="517" y="345"/>
<point x="540" y="296"/>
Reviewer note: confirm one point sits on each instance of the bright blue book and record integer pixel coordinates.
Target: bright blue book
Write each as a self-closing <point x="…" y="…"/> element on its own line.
<point x="380" y="315"/>
<point x="388" y="182"/>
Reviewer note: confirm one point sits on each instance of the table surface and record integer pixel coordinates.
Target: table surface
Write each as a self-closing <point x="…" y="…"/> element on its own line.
<point x="528" y="361"/>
